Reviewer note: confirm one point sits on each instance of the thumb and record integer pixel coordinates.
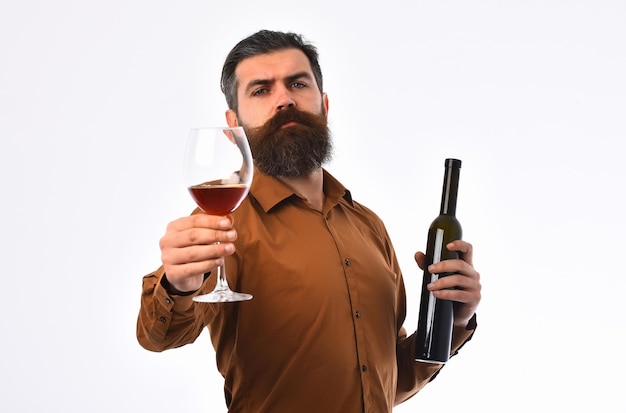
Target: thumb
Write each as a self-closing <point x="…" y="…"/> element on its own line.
<point x="420" y="259"/>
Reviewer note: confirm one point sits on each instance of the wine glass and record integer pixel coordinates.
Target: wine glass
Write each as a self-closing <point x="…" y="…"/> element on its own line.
<point x="218" y="174"/>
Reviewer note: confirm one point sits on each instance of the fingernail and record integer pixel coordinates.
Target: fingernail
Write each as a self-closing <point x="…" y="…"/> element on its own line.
<point x="225" y="223"/>
<point x="229" y="248"/>
<point x="231" y="234"/>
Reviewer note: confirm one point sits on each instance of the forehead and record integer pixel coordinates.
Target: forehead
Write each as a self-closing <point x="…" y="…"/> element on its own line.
<point x="272" y="66"/>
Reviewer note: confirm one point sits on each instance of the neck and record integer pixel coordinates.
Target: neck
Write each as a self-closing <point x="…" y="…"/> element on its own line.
<point x="310" y="187"/>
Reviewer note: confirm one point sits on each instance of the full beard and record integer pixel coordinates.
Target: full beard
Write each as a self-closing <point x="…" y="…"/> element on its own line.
<point x="294" y="151"/>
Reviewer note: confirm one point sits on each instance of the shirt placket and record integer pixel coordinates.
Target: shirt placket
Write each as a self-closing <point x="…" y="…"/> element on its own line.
<point x="358" y="315"/>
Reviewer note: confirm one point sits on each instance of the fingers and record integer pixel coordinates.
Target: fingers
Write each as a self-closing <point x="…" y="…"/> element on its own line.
<point x="195" y="245"/>
<point x="200" y="229"/>
<point x="463" y="283"/>
<point x="465" y="250"/>
<point x="463" y="291"/>
<point x="200" y="221"/>
<point x="464" y="265"/>
<point x="196" y="254"/>
<point x="454" y="267"/>
<point x="196" y="236"/>
<point x="456" y="287"/>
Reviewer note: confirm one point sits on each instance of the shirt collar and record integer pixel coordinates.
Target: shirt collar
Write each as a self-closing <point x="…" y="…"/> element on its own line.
<point x="270" y="191"/>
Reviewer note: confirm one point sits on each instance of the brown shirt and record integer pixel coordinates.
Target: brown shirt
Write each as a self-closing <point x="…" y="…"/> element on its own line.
<point x="323" y="332"/>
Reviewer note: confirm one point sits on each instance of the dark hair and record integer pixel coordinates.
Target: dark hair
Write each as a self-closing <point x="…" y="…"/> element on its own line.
<point x="263" y="42"/>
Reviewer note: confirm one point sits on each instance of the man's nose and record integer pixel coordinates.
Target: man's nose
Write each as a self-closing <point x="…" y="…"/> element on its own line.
<point x="285" y="101"/>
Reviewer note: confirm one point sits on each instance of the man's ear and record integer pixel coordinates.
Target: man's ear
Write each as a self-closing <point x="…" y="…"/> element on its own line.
<point x="231" y="118"/>
<point x="325" y="103"/>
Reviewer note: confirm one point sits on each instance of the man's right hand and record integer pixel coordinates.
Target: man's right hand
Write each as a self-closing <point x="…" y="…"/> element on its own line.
<point x="189" y="249"/>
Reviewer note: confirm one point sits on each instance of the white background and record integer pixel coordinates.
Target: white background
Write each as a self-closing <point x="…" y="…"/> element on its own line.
<point x="97" y="97"/>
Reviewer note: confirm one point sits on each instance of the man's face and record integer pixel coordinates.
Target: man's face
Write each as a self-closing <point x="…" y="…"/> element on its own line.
<point x="271" y="82"/>
<point x="283" y="112"/>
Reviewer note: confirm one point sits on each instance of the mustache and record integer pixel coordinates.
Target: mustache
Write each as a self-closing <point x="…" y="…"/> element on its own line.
<point x="276" y="122"/>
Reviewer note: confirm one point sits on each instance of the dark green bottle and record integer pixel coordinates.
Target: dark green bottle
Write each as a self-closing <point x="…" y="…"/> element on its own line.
<point x="434" y="326"/>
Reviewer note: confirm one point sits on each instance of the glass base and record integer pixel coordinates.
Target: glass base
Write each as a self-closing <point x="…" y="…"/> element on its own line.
<point x="222" y="296"/>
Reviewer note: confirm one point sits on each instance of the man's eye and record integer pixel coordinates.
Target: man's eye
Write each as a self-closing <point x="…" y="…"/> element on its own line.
<point x="259" y="92"/>
<point x="298" y="85"/>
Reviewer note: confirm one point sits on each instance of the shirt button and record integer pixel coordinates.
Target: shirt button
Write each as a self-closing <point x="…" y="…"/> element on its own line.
<point x="167" y="300"/>
<point x="357" y="314"/>
<point x="347" y="261"/>
<point x="364" y="368"/>
<point x="162" y="319"/>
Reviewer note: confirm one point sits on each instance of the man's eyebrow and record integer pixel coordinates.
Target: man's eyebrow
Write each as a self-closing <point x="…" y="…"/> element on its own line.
<point x="257" y="82"/>
<point x="300" y="75"/>
<point x="263" y="82"/>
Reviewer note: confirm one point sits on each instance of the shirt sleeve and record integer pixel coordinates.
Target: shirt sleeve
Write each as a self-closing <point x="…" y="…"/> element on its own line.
<point x="165" y="320"/>
<point x="414" y="375"/>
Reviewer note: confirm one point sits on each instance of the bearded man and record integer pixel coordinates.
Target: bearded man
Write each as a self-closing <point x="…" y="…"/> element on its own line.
<point x="324" y="331"/>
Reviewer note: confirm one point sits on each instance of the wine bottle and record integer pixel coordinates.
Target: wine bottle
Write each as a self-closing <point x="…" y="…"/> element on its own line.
<point x="434" y="327"/>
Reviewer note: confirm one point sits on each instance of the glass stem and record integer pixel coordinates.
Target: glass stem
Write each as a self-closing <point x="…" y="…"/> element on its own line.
<point x="222" y="283"/>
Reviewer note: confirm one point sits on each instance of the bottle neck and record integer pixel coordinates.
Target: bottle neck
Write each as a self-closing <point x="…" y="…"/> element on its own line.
<point x="450" y="187"/>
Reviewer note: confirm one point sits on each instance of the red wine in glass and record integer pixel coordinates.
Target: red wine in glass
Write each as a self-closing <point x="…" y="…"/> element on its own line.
<point x="218" y="199"/>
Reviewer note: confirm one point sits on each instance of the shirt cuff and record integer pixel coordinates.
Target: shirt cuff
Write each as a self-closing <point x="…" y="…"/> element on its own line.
<point x="461" y="335"/>
<point x="182" y="300"/>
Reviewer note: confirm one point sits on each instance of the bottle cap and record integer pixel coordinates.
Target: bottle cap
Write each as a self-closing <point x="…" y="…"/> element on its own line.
<point x="453" y="163"/>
